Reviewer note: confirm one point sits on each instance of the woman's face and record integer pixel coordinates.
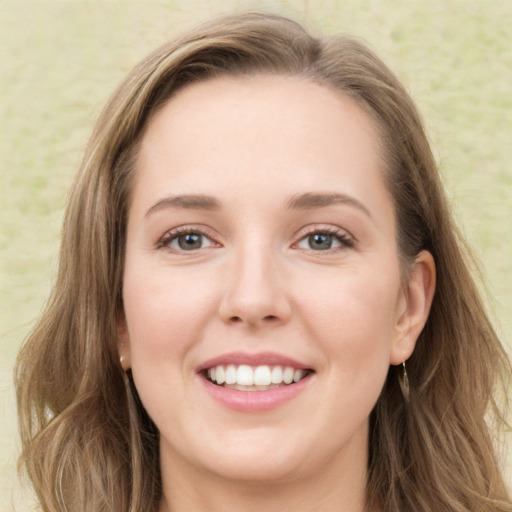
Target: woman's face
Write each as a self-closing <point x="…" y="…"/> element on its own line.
<point x="261" y="248"/>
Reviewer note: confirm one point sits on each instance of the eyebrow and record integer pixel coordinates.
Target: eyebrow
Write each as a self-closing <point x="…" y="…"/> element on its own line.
<point x="311" y="200"/>
<point x="195" y="202"/>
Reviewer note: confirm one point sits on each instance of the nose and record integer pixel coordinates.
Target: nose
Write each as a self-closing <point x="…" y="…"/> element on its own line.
<point x="255" y="291"/>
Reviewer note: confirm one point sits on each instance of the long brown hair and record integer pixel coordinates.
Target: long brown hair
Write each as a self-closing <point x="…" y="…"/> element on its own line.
<point x="88" y="443"/>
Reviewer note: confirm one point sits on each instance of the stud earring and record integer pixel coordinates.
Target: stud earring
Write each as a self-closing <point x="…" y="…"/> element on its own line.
<point x="403" y="379"/>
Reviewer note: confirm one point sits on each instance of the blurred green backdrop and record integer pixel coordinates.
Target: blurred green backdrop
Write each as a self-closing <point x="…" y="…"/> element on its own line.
<point x="60" y="60"/>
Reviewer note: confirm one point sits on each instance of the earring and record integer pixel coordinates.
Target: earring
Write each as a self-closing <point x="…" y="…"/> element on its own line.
<point x="403" y="380"/>
<point x="122" y="359"/>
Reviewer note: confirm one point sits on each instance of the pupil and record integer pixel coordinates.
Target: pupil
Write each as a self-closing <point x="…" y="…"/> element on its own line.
<point x="320" y="241"/>
<point x="190" y="241"/>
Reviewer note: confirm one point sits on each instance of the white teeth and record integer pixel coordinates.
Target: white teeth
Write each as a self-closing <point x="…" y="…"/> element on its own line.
<point x="297" y="375"/>
<point x="220" y="375"/>
<point x="262" y="376"/>
<point x="288" y="375"/>
<point x="231" y="374"/>
<point x="244" y="375"/>
<point x="258" y="378"/>
<point x="277" y="375"/>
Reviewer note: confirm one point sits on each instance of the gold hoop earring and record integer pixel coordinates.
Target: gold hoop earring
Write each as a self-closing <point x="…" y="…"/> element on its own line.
<point x="403" y="380"/>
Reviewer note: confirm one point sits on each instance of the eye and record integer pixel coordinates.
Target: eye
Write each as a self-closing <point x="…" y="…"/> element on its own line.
<point x="325" y="240"/>
<point x="186" y="240"/>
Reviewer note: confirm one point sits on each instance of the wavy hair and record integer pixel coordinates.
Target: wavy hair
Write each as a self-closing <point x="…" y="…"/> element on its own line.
<point x="88" y="443"/>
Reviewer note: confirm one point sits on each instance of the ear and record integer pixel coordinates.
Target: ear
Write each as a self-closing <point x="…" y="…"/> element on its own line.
<point x="123" y="341"/>
<point x="414" y="307"/>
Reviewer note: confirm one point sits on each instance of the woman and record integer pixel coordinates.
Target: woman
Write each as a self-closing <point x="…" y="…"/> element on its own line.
<point x="262" y="301"/>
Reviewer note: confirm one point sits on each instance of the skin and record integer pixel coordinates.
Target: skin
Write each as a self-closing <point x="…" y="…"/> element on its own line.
<point x="257" y="285"/>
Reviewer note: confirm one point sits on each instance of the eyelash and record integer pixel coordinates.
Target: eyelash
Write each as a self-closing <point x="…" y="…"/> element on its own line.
<point x="345" y="240"/>
<point x="173" y="234"/>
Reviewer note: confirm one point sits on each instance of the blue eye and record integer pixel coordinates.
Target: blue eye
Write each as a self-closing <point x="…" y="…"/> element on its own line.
<point x="185" y="240"/>
<point x="324" y="241"/>
<point x="189" y="242"/>
<point x="320" y="241"/>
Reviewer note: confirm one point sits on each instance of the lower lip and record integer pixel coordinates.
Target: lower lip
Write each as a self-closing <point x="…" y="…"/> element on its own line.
<point x="255" y="401"/>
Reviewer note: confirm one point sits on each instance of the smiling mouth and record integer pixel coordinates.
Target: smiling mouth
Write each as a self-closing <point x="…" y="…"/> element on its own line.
<point x="254" y="378"/>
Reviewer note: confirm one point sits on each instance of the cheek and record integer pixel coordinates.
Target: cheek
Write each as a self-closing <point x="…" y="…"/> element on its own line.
<point x="164" y="312"/>
<point x="355" y="322"/>
<point x="352" y="326"/>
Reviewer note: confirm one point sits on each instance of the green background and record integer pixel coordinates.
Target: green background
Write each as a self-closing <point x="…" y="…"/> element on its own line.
<point x="59" y="61"/>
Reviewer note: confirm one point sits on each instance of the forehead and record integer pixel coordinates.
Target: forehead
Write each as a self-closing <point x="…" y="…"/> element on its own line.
<point x="244" y="100"/>
<point x="259" y="133"/>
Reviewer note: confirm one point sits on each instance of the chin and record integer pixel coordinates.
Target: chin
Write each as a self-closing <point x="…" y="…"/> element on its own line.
<point x="262" y="457"/>
<point x="258" y="469"/>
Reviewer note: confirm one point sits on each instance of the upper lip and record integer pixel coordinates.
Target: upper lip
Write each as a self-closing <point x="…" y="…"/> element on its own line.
<point x="258" y="359"/>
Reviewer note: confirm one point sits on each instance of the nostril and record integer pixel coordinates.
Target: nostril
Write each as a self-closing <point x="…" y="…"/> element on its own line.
<point x="268" y="318"/>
